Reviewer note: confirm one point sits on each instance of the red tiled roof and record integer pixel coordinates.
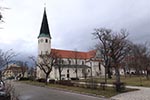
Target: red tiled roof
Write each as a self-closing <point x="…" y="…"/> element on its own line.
<point x="16" y="68"/>
<point x="74" y="54"/>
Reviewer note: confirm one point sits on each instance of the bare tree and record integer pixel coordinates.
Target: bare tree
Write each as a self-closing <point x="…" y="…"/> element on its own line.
<point x="1" y="16"/>
<point x="85" y="72"/>
<point x="59" y="65"/>
<point x="6" y="58"/>
<point x="23" y="66"/>
<point x="140" y="59"/>
<point x="45" y="63"/>
<point x="32" y="73"/>
<point x="115" y="47"/>
<point x="119" y="49"/>
<point x="104" y="35"/>
<point x="76" y="57"/>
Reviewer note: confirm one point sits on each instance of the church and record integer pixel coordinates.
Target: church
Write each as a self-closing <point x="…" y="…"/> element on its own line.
<point x="87" y="63"/>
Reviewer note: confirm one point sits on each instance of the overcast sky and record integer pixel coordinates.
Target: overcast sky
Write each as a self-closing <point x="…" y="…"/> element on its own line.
<point x="71" y="22"/>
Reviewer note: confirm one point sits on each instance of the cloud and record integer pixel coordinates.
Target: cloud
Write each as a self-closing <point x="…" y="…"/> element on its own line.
<point x="71" y="22"/>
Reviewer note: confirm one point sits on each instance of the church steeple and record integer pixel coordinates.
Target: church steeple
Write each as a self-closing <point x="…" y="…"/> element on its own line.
<point x="44" y="38"/>
<point x="44" y="31"/>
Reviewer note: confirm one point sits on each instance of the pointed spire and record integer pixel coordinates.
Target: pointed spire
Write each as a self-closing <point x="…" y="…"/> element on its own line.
<point x="44" y="31"/>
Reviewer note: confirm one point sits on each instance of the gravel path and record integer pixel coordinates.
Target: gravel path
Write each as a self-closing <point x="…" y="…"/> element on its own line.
<point x="142" y="94"/>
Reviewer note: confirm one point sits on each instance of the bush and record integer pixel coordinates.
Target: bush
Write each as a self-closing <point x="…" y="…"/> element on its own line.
<point x="11" y="78"/>
<point x="23" y="79"/>
<point x="65" y="82"/>
<point x="91" y="86"/>
<point x="73" y="78"/>
<point x="31" y="78"/>
<point x="51" y="81"/>
<point x="103" y="85"/>
<point x="5" y="98"/>
<point x="119" y="86"/>
<point x="41" y="80"/>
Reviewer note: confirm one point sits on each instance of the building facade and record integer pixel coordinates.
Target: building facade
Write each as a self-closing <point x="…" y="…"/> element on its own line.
<point x="74" y="63"/>
<point x="15" y="71"/>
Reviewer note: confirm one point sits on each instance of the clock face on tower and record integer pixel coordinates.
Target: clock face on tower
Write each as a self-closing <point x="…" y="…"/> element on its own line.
<point x="41" y="40"/>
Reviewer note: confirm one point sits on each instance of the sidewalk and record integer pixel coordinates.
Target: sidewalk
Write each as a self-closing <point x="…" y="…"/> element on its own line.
<point x="142" y="94"/>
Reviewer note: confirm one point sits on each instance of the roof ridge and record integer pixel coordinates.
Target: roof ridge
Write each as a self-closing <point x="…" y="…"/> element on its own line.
<point x="73" y="50"/>
<point x="72" y="54"/>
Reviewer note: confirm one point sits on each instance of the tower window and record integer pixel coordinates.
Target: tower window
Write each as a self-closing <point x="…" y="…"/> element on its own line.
<point x="46" y="40"/>
<point x="41" y="40"/>
<point x="46" y="52"/>
<point x="67" y="70"/>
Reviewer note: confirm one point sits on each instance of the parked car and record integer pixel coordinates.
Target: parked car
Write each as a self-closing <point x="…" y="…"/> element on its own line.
<point x="2" y="88"/>
<point x="2" y="85"/>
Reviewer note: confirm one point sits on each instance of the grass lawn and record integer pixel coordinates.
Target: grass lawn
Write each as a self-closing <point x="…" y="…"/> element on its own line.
<point x="109" y="92"/>
<point x="133" y="81"/>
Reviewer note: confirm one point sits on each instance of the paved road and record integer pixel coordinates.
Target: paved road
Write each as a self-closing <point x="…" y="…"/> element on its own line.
<point x="30" y="92"/>
<point x="142" y="94"/>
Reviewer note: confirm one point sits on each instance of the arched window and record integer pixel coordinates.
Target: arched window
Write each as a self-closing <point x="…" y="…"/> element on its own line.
<point x="67" y="70"/>
<point x="41" y="40"/>
<point x="46" y="40"/>
<point x="69" y="62"/>
<point x="82" y="62"/>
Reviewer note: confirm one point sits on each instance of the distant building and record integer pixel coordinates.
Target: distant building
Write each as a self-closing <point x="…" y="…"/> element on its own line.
<point x="88" y="61"/>
<point x="14" y="71"/>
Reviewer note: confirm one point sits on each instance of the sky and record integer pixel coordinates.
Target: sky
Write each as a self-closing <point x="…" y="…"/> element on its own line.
<point x="71" y="22"/>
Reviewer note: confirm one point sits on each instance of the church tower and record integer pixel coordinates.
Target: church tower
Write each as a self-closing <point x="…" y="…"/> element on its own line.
<point x="44" y="38"/>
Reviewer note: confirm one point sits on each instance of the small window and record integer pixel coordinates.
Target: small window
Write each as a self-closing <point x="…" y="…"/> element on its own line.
<point x="82" y="62"/>
<point x="46" y="52"/>
<point x="67" y="70"/>
<point x="62" y="61"/>
<point x="46" y="40"/>
<point x="41" y="40"/>
<point x="69" y="62"/>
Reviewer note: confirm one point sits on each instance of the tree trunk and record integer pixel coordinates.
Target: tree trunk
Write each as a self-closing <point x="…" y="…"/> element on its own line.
<point x="117" y="75"/>
<point x="105" y="75"/>
<point x="147" y="75"/>
<point x="23" y="74"/>
<point x="130" y="72"/>
<point x="46" y="81"/>
<point x="0" y="75"/>
<point x="125" y="74"/>
<point x="59" y="74"/>
<point x="109" y="73"/>
<point x="76" y="73"/>
<point x="118" y="87"/>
